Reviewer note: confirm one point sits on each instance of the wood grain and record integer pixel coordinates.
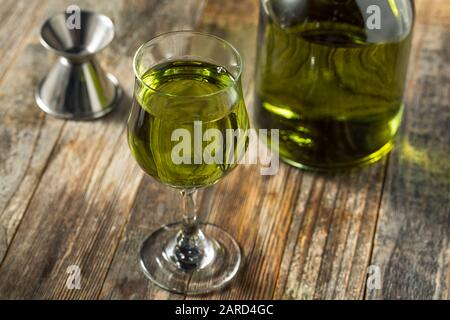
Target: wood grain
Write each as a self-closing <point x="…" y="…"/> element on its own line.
<point x="330" y="238"/>
<point x="17" y="17"/>
<point x="27" y="136"/>
<point x="412" y="241"/>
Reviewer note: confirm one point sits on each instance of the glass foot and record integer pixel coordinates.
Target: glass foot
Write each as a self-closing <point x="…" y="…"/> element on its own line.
<point x="200" y="264"/>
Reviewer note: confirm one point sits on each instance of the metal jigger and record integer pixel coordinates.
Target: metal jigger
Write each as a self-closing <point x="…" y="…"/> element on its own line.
<point x="76" y="87"/>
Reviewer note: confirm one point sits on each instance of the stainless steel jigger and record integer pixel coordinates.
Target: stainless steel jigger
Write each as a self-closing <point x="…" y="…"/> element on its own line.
<point x="76" y="87"/>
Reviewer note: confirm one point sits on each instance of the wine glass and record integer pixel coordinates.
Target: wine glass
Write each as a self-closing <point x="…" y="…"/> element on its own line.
<point x="187" y="129"/>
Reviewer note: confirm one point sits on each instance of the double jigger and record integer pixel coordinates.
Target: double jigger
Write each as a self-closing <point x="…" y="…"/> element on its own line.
<point x="76" y="87"/>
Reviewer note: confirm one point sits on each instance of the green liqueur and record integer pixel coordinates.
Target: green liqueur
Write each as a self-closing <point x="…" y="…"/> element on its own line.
<point x="175" y="95"/>
<point x="333" y="88"/>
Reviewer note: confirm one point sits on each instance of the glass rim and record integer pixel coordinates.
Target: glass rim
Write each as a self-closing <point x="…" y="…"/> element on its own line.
<point x="170" y="33"/>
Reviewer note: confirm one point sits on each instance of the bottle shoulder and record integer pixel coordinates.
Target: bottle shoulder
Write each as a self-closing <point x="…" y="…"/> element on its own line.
<point x="376" y="21"/>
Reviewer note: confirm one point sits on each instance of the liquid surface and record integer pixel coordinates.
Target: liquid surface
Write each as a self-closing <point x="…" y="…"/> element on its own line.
<point x="176" y="95"/>
<point x="335" y="96"/>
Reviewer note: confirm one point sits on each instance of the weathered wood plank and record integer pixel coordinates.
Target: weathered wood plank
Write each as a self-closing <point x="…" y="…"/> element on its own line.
<point x="17" y="17"/>
<point x="83" y="199"/>
<point x="329" y="242"/>
<point x="412" y="241"/>
<point x="27" y="136"/>
<point x="154" y="206"/>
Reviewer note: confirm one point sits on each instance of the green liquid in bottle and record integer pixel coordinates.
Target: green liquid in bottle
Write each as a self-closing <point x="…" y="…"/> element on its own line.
<point x="335" y="95"/>
<point x="175" y="95"/>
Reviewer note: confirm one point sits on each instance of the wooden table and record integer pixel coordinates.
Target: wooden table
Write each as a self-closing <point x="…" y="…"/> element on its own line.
<point x="71" y="194"/>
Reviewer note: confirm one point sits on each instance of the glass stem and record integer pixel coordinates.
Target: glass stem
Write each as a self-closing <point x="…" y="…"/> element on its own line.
<point x="189" y="249"/>
<point x="189" y="212"/>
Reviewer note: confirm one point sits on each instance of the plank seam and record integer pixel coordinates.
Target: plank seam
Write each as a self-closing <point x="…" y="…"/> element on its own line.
<point x="291" y="205"/>
<point x="34" y="190"/>
<point x="377" y="221"/>
<point x="122" y="232"/>
<point x="297" y="234"/>
<point x="26" y="168"/>
<point x="330" y="222"/>
<point x="286" y="237"/>
<point x="89" y="204"/>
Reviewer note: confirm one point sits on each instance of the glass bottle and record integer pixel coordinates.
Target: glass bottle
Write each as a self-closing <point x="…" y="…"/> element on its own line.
<point x="330" y="75"/>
